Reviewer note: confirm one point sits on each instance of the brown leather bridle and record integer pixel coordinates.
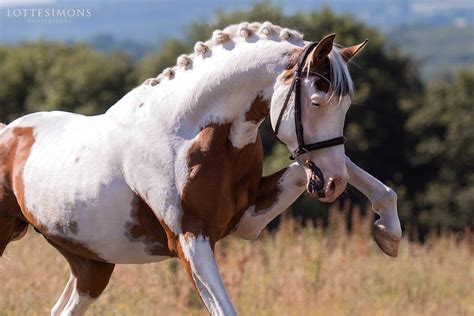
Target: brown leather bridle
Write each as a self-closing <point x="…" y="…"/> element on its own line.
<point x="316" y="181"/>
<point x="296" y="86"/>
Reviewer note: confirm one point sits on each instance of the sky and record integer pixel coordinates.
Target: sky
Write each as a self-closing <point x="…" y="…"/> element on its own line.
<point x="151" y="21"/>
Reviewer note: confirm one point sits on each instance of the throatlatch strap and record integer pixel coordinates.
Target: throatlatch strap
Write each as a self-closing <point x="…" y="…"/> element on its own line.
<point x="319" y="145"/>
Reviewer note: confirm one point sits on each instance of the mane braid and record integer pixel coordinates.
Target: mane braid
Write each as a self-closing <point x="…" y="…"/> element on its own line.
<point x="264" y="31"/>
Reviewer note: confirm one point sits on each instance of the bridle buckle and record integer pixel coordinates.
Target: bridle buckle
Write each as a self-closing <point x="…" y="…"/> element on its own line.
<point x="298" y="152"/>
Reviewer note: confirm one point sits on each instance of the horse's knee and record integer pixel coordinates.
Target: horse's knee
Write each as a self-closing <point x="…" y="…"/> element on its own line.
<point x="385" y="198"/>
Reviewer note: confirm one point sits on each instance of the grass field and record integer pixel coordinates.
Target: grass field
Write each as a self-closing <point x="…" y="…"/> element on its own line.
<point x="294" y="271"/>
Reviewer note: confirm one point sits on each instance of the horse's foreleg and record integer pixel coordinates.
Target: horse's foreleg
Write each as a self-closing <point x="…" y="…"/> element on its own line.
<point x="197" y="257"/>
<point x="387" y="229"/>
<point x="275" y="194"/>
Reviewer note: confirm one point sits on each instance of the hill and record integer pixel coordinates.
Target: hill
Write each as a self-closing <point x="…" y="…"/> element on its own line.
<point x="437" y="49"/>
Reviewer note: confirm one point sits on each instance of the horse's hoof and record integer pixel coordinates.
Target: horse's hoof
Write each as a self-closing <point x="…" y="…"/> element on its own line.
<point x="386" y="241"/>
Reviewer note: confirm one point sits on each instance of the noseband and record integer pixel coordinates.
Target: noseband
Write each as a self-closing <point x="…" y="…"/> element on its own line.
<point x="296" y="85"/>
<point x="316" y="181"/>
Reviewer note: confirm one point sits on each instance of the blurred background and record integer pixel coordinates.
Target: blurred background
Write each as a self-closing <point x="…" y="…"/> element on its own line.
<point x="411" y="125"/>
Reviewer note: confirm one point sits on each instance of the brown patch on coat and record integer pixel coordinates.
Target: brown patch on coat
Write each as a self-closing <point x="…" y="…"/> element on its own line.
<point x="268" y="190"/>
<point x="222" y="182"/>
<point x="11" y="229"/>
<point x="92" y="276"/>
<point x="19" y="230"/>
<point x="322" y="67"/>
<point x="293" y="58"/>
<point x="258" y="111"/>
<point x="146" y="228"/>
<point x="17" y="148"/>
<point x="71" y="246"/>
<point x="15" y="145"/>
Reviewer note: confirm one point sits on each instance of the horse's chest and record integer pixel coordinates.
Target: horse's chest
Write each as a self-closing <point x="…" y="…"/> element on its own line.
<point x="222" y="181"/>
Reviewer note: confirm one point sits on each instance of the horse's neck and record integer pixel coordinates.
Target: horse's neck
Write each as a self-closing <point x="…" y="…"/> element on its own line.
<point x="218" y="88"/>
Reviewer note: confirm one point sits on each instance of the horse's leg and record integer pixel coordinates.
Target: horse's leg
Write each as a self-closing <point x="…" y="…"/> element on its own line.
<point x="12" y="227"/>
<point x="64" y="298"/>
<point x="88" y="280"/>
<point x="275" y="194"/>
<point x="197" y="257"/>
<point x="387" y="229"/>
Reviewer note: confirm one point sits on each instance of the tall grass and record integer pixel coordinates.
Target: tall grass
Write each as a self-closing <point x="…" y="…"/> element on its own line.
<point x="294" y="271"/>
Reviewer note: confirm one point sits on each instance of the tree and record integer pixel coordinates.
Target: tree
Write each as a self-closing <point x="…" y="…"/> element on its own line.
<point x="51" y="76"/>
<point x="444" y="154"/>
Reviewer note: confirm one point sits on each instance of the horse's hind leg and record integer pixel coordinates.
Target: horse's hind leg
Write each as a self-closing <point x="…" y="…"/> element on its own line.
<point x="88" y="280"/>
<point x="12" y="227"/>
<point x="64" y="298"/>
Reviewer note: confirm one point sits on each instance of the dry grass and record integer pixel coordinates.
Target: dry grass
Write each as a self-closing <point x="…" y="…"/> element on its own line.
<point x="296" y="271"/>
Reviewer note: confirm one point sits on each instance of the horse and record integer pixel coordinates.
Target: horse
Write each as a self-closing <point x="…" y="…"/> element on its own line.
<point x="176" y="164"/>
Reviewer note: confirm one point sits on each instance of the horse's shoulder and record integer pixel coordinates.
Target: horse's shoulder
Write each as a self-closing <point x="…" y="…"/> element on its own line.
<point x="222" y="179"/>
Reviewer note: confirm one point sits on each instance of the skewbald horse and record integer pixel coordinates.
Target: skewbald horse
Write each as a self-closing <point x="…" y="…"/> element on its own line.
<point x="176" y="164"/>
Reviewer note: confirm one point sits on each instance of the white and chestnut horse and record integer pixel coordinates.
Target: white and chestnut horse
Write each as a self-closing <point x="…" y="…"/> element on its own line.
<point x="176" y="164"/>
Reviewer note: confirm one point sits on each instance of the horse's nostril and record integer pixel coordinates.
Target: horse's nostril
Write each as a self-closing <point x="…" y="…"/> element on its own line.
<point x="331" y="187"/>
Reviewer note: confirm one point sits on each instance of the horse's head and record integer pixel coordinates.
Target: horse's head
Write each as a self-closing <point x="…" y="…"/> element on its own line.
<point x="308" y="108"/>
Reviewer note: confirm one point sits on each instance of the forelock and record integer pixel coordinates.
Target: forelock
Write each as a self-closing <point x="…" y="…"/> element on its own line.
<point x="341" y="81"/>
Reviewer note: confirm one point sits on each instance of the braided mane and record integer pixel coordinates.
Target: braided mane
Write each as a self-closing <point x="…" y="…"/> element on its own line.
<point x="263" y="31"/>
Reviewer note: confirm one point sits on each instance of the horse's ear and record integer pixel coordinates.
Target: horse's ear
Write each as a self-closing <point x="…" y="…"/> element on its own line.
<point x="348" y="53"/>
<point x="323" y="48"/>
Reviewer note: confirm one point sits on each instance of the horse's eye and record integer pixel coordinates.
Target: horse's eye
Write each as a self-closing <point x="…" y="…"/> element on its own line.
<point x="320" y="85"/>
<point x="316" y="104"/>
